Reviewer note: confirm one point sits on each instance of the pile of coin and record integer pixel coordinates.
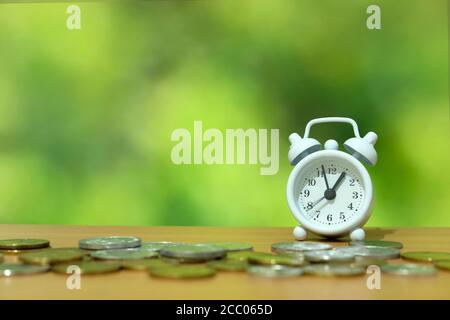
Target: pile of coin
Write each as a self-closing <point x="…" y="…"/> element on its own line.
<point x="164" y="259"/>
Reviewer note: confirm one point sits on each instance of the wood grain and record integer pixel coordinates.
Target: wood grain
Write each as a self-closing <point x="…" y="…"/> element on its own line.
<point x="139" y="285"/>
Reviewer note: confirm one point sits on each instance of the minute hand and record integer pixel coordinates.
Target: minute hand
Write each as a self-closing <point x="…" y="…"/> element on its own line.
<point x="338" y="181"/>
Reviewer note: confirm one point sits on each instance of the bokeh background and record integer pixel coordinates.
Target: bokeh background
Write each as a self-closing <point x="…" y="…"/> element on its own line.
<point x="86" y="116"/>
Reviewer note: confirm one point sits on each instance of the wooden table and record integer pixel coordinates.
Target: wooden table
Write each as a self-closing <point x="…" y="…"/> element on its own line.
<point x="139" y="285"/>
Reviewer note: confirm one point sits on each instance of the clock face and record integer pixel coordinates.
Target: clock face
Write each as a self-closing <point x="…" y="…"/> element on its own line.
<point x="330" y="192"/>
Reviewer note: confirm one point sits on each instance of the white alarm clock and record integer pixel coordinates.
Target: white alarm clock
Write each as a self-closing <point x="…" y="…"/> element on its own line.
<point x="329" y="191"/>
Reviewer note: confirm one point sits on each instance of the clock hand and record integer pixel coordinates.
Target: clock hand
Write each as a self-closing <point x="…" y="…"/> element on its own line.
<point x="338" y="181"/>
<point x="325" y="177"/>
<point x="315" y="203"/>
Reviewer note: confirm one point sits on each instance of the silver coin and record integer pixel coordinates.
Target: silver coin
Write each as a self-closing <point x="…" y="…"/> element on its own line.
<point x="329" y="256"/>
<point x="377" y="243"/>
<point x="409" y="269"/>
<point x="300" y="246"/>
<point x="233" y="246"/>
<point x="125" y="254"/>
<point x="334" y="269"/>
<point x="12" y="269"/>
<point x="112" y="242"/>
<point x="371" y="252"/>
<point x="157" y="245"/>
<point x="274" y="271"/>
<point x="193" y="252"/>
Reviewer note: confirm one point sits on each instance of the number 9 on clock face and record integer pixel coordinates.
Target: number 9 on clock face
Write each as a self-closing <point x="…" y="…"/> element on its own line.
<point x="330" y="193"/>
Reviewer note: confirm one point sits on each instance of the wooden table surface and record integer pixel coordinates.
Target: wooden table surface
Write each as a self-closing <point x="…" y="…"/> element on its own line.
<point x="127" y="284"/>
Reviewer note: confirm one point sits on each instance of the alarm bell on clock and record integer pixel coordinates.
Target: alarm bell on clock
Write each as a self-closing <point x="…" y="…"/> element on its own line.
<point x="329" y="191"/>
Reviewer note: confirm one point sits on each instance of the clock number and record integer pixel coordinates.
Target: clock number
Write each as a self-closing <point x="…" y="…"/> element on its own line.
<point x="341" y="216"/>
<point x="329" y="217"/>
<point x="350" y="206"/>
<point x="309" y="206"/>
<point x="352" y="182"/>
<point x="319" y="173"/>
<point x="311" y="182"/>
<point x="332" y="170"/>
<point x="355" y="195"/>
<point x="318" y="214"/>
<point x="306" y="193"/>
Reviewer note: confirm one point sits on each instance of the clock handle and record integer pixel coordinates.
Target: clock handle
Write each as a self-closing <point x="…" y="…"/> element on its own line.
<point x="332" y="119"/>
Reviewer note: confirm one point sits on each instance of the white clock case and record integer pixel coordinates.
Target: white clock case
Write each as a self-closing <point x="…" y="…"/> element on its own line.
<point x="335" y="231"/>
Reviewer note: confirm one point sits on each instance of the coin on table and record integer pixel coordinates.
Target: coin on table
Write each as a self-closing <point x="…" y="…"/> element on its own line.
<point x="193" y="252"/>
<point x="239" y="255"/>
<point x="274" y="271"/>
<point x="426" y="256"/>
<point x="409" y="269"/>
<point x="442" y="264"/>
<point x="292" y="247"/>
<point x="268" y="258"/>
<point x="228" y="265"/>
<point x="86" y="267"/>
<point x="157" y="245"/>
<point x="12" y="269"/>
<point x="145" y="264"/>
<point x="334" y="269"/>
<point x="233" y="246"/>
<point x="51" y="256"/>
<point x="377" y="243"/>
<point x="371" y="252"/>
<point x="329" y="256"/>
<point x="183" y="272"/>
<point x="112" y="242"/>
<point x="23" y="244"/>
<point x="124" y="254"/>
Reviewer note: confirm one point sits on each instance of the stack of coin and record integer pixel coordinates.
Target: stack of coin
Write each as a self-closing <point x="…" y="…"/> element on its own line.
<point x="182" y="272"/>
<point x="18" y="245"/>
<point x="51" y="256"/>
<point x="371" y="251"/>
<point x="111" y="242"/>
<point x="299" y="247"/>
<point x="193" y="252"/>
<point x="273" y="259"/>
<point x="124" y="254"/>
<point x="274" y="271"/>
<point x="329" y="256"/>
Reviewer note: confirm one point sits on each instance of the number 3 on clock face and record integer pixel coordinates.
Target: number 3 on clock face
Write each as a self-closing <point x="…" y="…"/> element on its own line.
<point x="331" y="193"/>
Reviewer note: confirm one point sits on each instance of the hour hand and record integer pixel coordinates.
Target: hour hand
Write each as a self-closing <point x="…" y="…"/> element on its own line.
<point x="338" y="181"/>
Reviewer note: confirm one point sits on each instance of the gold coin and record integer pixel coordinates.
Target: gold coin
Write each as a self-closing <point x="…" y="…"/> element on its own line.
<point x="270" y="259"/>
<point x="145" y="264"/>
<point x="23" y="244"/>
<point x="428" y="256"/>
<point x="183" y="272"/>
<point x="51" y="256"/>
<point x="240" y="255"/>
<point x="86" y="267"/>
<point x="228" y="265"/>
<point x="442" y="264"/>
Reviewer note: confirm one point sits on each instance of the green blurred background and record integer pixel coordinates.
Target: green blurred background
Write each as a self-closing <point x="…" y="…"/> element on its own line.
<point x="86" y="116"/>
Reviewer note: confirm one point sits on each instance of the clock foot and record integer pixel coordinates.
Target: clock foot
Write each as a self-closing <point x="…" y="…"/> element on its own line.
<point x="299" y="233"/>
<point x="357" y="235"/>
